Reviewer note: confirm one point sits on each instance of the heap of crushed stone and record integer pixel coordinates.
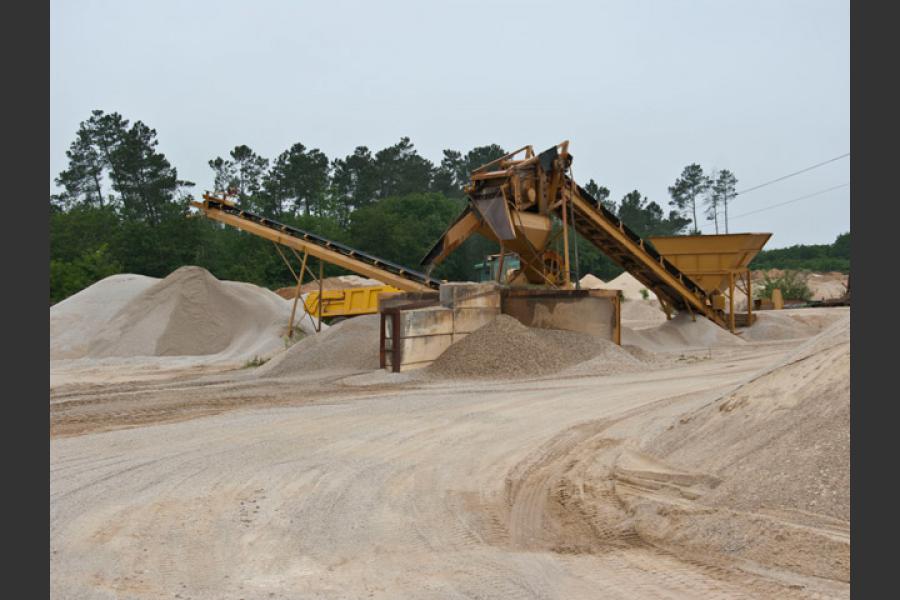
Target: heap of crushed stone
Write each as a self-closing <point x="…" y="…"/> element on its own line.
<point x="351" y="345"/>
<point x="504" y="348"/>
<point x="191" y="313"/>
<point x="680" y="333"/>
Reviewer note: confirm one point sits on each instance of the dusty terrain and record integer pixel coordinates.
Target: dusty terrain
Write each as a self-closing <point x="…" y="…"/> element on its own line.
<point x="668" y="480"/>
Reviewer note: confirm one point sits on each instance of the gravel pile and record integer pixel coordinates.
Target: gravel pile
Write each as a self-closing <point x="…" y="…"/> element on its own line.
<point x="348" y="346"/>
<point x="679" y="334"/>
<point x="504" y="348"/>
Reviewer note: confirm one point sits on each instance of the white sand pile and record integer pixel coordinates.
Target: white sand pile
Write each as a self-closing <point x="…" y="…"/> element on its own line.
<point x="590" y="282"/>
<point x="504" y="348"/>
<point x="643" y="312"/>
<point x="357" y="281"/>
<point x="348" y="346"/>
<point x="75" y="320"/>
<point x="680" y="333"/>
<point x="790" y="324"/>
<point x="779" y="446"/>
<point x="772" y="325"/>
<point x="189" y="313"/>
<point x="631" y="287"/>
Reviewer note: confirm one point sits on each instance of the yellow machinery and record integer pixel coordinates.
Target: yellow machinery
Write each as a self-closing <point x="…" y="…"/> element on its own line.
<point x="512" y="200"/>
<point x="718" y="263"/>
<point x="347" y="302"/>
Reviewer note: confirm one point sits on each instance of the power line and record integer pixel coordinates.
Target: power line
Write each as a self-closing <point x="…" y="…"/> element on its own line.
<point x="820" y="192"/>
<point x="815" y="166"/>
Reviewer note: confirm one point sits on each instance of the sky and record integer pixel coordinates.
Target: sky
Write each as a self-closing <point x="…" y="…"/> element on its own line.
<point x="639" y="88"/>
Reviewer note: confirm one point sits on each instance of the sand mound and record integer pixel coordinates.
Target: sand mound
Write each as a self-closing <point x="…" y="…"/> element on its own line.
<point x="679" y="334"/>
<point x="791" y="324"/>
<point x="775" y="325"/>
<point x="590" y="282"/>
<point x="645" y="311"/>
<point x="191" y="313"/>
<point x="777" y="450"/>
<point x="74" y="321"/>
<point x="631" y="287"/>
<point x="504" y="348"/>
<point x="782" y="439"/>
<point x="350" y="345"/>
<point x="823" y="287"/>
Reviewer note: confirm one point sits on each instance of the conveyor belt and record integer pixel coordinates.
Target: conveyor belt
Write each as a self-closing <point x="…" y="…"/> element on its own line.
<point x="328" y="250"/>
<point x="612" y="237"/>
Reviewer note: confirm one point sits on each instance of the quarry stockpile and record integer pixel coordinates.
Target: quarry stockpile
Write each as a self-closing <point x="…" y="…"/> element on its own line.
<point x="631" y="287"/>
<point x="189" y="313"/>
<point x="777" y="451"/>
<point x="680" y="333"/>
<point x="75" y="320"/>
<point x="350" y="345"/>
<point x="504" y="348"/>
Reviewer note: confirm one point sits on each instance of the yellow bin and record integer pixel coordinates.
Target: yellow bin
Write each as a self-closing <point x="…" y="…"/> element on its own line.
<point x="708" y="259"/>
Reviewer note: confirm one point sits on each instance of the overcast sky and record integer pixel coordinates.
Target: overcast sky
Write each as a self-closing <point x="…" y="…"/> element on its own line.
<point x="639" y="88"/>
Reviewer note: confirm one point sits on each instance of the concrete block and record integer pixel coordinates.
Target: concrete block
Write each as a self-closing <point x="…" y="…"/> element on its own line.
<point x="470" y="295"/>
<point x="467" y="320"/>
<point x="595" y="314"/>
<point x="419" y="349"/>
<point x="423" y="321"/>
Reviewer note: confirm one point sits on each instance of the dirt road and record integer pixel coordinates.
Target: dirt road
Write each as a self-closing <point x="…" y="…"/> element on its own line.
<point x="411" y="491"/>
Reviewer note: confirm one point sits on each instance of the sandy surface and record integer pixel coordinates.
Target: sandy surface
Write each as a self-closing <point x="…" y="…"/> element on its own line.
<point x="378" y="485"/>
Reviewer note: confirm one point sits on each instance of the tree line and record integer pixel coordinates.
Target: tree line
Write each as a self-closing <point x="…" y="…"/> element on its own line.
<point x="808" y="257"/>
<point x="123" y="208"/>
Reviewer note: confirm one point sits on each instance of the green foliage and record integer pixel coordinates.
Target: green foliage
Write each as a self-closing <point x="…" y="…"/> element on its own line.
<point x="644" y="217"/>
<point x="122" y="207"/>
<point x="722" y="191"/>
<point x="70" y="276"/>
<point x="647" y="218"/>
<point x="255" y="362"/>
<point x="792" y="285"/>
<point x="687" y="189"/>
<point x="814" y="257"/>
<point x="403" y="228"/>
<point x="600" y="194"/>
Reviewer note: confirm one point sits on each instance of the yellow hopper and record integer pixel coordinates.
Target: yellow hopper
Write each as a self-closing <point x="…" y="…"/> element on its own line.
<point x="715" y="262"/>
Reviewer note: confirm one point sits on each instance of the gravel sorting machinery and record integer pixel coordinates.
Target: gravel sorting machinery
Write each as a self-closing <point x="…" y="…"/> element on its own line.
<point x="513" y="201"/>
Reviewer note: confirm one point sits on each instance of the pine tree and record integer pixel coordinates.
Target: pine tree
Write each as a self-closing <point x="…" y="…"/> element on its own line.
<point x="601" y="195"/>
<point x="724" y="190"/>
<point x="711" y="201"/>
<point x="687" y="190"/>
